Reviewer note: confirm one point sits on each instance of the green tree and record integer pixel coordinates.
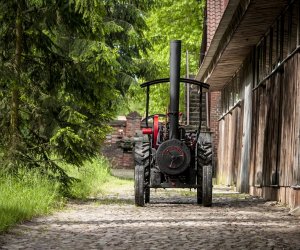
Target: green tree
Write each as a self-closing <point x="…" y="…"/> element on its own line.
<point x="64" y="67"/>
<point x="171" y="20"/>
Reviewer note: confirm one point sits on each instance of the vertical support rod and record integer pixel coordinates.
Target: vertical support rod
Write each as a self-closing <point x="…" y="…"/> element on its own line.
<point x="200" y="113"/>
<point x="147" y="104"/>
<point x="187" y="90"/>
<point x="298" y="26"/>
<point x="271" y="50"/>
<point x="298" y="144"/>
<point x="290" y="26"/>
<point x="175" y="57"/>
<point x="281" y="39"/>
<point x="207" y="110"/>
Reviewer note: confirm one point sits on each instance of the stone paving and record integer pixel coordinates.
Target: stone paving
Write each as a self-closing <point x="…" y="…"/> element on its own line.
<point x="171" y="221"/>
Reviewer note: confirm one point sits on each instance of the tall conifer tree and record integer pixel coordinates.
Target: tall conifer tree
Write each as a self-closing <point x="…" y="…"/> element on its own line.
<point x="64" y="65"/>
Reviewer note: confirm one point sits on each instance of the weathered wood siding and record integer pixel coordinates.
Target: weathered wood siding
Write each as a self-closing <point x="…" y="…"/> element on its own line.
<point x="259" y="147"/>
<point x="275" y="147"/>
<point x="266" y="132"/>
<point x="246" y="93"/>
<point x="290" y="129"/>
<point x="229" y="154"/>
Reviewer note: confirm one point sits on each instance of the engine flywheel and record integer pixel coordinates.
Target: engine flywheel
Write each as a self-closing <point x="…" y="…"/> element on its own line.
<point x="173" y="157"/>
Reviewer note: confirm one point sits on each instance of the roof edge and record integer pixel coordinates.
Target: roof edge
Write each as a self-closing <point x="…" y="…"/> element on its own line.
<point x="229" y="22"/>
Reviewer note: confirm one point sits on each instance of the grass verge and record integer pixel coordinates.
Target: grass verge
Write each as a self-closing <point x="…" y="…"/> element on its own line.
<point x="92" y="177"/>
<point x="27" y="194"/>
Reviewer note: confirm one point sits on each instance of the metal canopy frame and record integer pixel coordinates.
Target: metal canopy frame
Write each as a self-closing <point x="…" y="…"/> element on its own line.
<point x="184" y="80"/>
<point x="166" y="80"/>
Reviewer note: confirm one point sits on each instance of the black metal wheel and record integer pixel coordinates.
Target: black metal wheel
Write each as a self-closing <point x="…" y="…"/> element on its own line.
<point x="199" y="189"/>
<point x="139" y="185"/>
<point x="142" y="172"/>
<point x="147" y="195"/>
<point x="207" y="186"/>
<point x="142" y="152"/>
<point x="204" y="172"/>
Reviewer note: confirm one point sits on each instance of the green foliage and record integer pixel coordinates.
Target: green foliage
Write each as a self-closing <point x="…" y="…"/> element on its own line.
<point x="64" y="69"/>
<point x="28" y="193"/>
<point x="92" y="176"/>
<point x="170" y="20"/>
<point x="180" y="20"/>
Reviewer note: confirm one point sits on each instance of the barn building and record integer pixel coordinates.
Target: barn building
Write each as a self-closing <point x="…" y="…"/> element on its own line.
<point x="252" y="62"/>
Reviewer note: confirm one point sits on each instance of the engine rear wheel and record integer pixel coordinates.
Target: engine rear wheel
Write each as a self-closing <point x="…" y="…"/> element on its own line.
<point x="199" y="189"/>
<point x="207" y="186"/>
<point x="204" y="172"/>
<point x="147" y="195"/>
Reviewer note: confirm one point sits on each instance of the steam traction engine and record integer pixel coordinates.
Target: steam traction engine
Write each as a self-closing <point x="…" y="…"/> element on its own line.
<point x="166" y="155"/>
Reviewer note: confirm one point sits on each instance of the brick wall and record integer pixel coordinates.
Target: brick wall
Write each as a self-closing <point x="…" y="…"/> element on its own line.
<point x="123" y="128"/>
<point x="133" y="123"/>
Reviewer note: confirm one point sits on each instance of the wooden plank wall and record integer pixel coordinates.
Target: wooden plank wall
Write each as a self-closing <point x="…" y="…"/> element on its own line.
<point x="275" y="146"/>
<point x="238" y="142"/>
<point x="258" y="135"/>
<point x="245" y="92"/>
<point x="230" y="145"/>
<point x="290" y="132"/>
<point x="272" y="130"/>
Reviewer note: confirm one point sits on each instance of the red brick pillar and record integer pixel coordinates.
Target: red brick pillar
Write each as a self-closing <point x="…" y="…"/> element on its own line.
<point x="133" y="123"/>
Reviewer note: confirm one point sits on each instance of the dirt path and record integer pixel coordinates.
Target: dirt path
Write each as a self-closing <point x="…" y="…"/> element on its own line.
<point x="171" y="221"/>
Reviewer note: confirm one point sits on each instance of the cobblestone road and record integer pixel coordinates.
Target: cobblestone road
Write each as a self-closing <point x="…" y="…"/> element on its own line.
<point x="171" y="221"/>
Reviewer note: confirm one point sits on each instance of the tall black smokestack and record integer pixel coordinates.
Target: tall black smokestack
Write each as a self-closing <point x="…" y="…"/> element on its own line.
<point x="175" y="57"/>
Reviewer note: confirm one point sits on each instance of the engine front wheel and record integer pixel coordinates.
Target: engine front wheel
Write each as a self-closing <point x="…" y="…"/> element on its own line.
<point x="142" y="171"/>
<point x="139" y="185"/>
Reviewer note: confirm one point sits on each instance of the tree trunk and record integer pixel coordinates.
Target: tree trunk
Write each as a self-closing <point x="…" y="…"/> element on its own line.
<point x="15" y="96"/>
